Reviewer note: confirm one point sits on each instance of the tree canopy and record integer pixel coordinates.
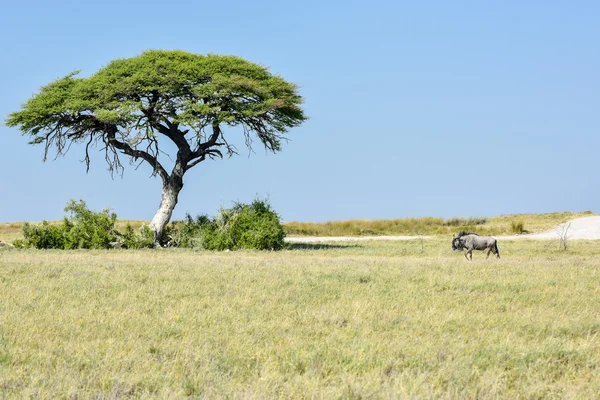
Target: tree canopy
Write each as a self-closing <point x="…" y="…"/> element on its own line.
<point x="174" y="93"/>
<point x="187" y="98"/>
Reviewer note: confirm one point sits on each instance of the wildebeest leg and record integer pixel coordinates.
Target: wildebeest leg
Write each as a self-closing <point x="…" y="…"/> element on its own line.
<point x="467" y="255"/>
<point x="471" y="252"/>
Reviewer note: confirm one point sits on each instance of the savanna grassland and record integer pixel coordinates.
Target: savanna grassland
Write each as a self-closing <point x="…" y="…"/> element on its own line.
<point x="368" y="320"/>
<point x="499" y="225"/>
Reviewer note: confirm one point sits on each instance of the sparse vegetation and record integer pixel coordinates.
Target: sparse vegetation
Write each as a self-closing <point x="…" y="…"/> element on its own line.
<point x="563" y="235"/>
<point x="375" y="320"/>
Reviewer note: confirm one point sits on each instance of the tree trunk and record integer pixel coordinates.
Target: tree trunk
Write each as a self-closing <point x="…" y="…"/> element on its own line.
<point x="170" y="192"/>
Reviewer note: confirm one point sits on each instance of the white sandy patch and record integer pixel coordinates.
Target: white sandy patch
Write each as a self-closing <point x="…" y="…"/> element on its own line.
<point x="579" y="228"/>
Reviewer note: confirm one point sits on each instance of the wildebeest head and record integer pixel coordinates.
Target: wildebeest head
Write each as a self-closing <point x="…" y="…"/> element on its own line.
<point x="456" y="244"/>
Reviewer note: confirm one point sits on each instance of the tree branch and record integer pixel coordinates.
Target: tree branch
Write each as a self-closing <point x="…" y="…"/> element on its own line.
<point x="130" y="151"/>
<point x="195" y="162"/>
<point x="171" y="130"/>
<point x="203" y="149"/>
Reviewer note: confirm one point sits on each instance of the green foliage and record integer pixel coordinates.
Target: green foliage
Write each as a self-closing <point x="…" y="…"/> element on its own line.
<point x="45" y="236"/>
<point x="143" y="240"/>
<point x="244" y="226"/>
<point x="88" y="229"/>
<point x="129" y="237"/>
<point x="187" y="233"/>
<point x="84" y="229"/>
<point x="135" y="95"/>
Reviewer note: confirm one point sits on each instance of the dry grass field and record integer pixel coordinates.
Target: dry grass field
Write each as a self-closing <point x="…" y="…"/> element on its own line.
<point x="500" y="225"/>
<point x="368" y="320"/>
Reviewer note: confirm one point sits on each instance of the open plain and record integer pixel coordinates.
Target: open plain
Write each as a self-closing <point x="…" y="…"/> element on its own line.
<point x="369" y="319"/>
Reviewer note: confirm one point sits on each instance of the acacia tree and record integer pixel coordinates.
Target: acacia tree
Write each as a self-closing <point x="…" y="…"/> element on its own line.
<point x="133" y="105"/>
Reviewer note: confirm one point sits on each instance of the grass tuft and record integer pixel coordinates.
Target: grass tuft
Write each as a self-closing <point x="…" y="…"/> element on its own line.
<point x="517" y="227"/>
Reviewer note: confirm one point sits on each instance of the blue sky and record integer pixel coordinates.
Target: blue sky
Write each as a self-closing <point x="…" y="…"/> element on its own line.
<point x="431" y="108"/>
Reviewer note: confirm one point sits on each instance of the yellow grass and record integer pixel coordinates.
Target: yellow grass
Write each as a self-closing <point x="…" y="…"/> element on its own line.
<point x="10" y="231"/>
<point x="368" y="320"/>
<point x="431" y="225"/>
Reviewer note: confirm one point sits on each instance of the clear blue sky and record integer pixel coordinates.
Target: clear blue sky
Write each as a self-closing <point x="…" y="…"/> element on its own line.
<point x="420" y="108"/>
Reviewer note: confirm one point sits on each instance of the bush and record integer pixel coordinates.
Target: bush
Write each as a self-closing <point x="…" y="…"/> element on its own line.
<point x="88" y="229"/>
<point x="244" y="226"/>
<point x="143" y="240"/>
<point x="186" y="233"/>
<point x="85" y="229"/>
<point x="44" y="236"/>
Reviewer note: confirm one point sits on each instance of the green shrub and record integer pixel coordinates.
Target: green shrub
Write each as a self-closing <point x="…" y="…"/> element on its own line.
<point x="244" y="226"/>
<point x="85" y="229"/>
<point x="89" y="229"/>
<point x="143" y="240"/>
<point x="44" y="236"/>
<point x="186" y="233"/>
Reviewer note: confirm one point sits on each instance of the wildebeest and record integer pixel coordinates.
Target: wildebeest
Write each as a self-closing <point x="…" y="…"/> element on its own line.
<point x="472" y="241"/>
